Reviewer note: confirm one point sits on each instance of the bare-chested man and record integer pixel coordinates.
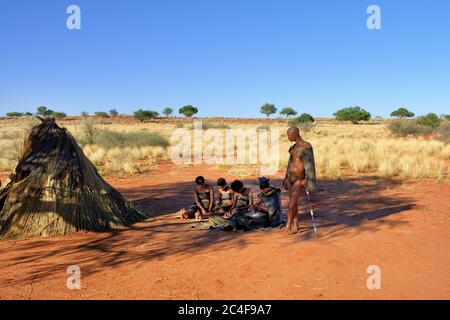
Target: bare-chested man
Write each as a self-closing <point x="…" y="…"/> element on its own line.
<point x="300" y="174"/>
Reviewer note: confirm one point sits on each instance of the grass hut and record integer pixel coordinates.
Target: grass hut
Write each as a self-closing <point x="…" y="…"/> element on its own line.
<point x="55" y="190"/>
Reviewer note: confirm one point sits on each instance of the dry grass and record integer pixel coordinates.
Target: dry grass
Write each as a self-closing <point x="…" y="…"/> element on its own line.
<point x="340" y="149"/>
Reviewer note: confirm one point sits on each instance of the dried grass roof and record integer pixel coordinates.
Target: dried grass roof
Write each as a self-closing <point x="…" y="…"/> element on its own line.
<point x="55" y="190"/>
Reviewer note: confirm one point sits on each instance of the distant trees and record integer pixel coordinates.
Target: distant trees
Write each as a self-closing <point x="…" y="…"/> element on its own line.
<point x="402" y="113"/>
<point x="143" y="115"/>
<point x="353" y="114"/>
<point x="84" y="114"/>
<point x="288" y="112"/>
<point x="167" y="112"/>
<point x="268" y="109"/>
<point x="188" y="111"/>
<point x="113" y="113"/>
<point x="58" y="115"/>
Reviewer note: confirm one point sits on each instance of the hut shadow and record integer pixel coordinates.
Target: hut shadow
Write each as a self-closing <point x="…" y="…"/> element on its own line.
<point x="345" y="208"/>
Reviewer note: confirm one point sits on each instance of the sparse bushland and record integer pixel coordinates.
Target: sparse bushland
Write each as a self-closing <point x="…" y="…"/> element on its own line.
<point x="341" y="149"/>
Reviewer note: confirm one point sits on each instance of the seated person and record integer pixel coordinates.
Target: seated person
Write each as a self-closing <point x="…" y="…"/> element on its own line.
<point x="225" y="198"/>
<point x="236" y="218"/>
<point x="204" y="201"/>
<point x="267" y="208"/>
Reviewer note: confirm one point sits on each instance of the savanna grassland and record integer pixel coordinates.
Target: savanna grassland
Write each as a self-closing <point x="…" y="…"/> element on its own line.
<point x="124" y="146"/>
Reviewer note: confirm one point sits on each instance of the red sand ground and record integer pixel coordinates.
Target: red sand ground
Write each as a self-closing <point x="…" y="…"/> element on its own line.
<point x="403" y="227"/>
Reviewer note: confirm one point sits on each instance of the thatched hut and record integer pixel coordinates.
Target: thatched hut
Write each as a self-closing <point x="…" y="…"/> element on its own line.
<point x="56" y="190"/>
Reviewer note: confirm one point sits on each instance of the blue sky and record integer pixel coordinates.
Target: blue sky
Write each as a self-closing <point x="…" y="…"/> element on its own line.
<point x="227" y="57"/>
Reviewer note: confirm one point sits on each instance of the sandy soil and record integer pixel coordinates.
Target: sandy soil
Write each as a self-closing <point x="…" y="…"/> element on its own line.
<point x="403" y="227"/>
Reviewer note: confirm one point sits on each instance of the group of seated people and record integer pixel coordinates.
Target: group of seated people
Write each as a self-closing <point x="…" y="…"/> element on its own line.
<point x="236" y="208"/>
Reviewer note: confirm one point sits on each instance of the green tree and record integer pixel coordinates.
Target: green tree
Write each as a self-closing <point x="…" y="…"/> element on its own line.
<point x="429" y="120"/>
<point x="188" y="111"/>
<point x="143" y="115"/>
<point x="113" y="113"/>
<point x="402" y="113"/>
<point x="353" y="114"/>
<point x="167" y="112"/>
<point x="288" y="112"/>
<point x="43" y="111"/>
<point x="14" y="114"/>
<point x="268" y="109"/>
<point x="85" y="114"/>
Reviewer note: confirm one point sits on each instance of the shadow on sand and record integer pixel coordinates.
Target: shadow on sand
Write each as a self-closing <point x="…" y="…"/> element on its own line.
<point x="344" y="208"/>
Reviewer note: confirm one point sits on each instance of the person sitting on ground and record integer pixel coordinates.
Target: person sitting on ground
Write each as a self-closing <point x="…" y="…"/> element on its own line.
<point x="267" y="208"/>
<point x="236" y="218"/>
<point x="204" y="201"/>
<point x="225" y="198"/>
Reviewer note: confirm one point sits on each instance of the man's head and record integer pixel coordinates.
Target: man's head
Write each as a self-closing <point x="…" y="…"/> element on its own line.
<point x="221" y="182"/>
<point x="200" y="181"/>
<point x="237" y="186"/>
<point x="293" y="133"/>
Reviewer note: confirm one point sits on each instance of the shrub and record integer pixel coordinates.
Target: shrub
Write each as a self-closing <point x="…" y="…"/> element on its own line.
<point x="113" y="113"/>
<point x="268" y="109"/>
<point x="14" y="114"/>
<point x="112" y="139"/>
<point x="303" y="118"/>
<point x="58" y="115"/>
<point x="444" y="131"/>
<point x="85" y="114"/>
<point x="188" y="111"/>
<point x="406" y="127"/>
<point x="143" y="115"/>
<point x="212" y="125"/>
<point x="430" y="120"/>
<point x="353" y="114"/>
<point x="101" y="114"/>
<point x="402" y="113"/>
<point x="288" y="112"/>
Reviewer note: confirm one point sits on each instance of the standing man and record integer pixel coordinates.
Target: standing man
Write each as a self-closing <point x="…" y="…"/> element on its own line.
<point x="300" y="174"/>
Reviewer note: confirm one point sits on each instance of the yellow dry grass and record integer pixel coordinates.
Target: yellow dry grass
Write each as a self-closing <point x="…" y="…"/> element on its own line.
<point x="339" y="148"/>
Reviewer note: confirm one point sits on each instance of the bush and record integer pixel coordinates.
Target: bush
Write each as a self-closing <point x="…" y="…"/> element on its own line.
<point x="188" y="111"/>
<point x="268" y="109"/>
<point x="58" y="115"/>
<point x="14" y="114"/>
<point x="402" y="113"/>
<point x="143" y="115"/>
<point x="113" y="113"/>
<point x="111" y="139"/>
<point x="444" y="131"/>
<point x="353" y="114"/>
<point x="430" y="120"/>
<point x="405" y="127"/>
<point x="85" y="114"/>
<point x="212" y="125"/>
<point x="43" y="111"/>
<point x="303" y="118"/>
<point x="101" y="114"/>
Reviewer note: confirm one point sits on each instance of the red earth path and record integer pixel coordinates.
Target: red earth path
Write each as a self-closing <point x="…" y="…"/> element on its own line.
<point x="401" y="226"/>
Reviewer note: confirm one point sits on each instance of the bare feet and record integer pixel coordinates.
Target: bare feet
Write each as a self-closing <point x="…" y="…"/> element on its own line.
<point x="182" y="214"/>
<point x="198" y="216"/>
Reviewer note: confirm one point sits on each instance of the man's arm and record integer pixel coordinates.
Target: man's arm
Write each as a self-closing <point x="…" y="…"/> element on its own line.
<point x="211" y="199"/>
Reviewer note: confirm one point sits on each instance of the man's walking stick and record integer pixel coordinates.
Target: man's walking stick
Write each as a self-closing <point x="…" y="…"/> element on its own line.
<point x="312" y="211"/>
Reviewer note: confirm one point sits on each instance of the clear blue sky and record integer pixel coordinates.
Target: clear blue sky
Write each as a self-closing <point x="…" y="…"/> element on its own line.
<point x="227" y="57"/>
